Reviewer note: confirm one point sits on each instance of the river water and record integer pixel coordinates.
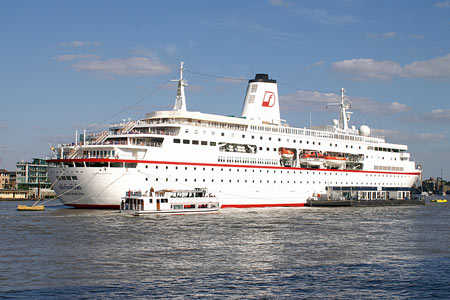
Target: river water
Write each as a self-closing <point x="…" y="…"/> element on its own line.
<point x="264" y="253"/>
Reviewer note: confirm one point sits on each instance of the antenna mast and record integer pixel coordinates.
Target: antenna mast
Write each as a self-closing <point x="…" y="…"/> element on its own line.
<point x="180" y="101"/>
<point x="344" y="115"/>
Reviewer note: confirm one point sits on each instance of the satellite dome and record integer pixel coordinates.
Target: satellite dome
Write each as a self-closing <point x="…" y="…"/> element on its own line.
<point x="364" y="130"/>
<point x="335" y="123"/>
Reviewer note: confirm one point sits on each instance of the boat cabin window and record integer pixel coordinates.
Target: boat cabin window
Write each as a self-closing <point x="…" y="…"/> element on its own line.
<point x="130" y="165"/>
<point x="177" y="141"/>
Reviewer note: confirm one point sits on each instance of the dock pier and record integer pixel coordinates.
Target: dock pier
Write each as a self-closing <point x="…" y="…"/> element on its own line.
<point x="364" y="203"/>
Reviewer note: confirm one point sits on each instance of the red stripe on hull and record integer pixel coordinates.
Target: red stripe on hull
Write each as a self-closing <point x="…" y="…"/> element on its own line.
<point x="262" y="205"/>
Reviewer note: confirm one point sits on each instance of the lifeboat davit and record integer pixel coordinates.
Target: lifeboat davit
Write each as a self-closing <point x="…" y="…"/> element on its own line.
<point x="313" y="159"/>
<point x="335" y="161"/>
<point x="285" y="153"/>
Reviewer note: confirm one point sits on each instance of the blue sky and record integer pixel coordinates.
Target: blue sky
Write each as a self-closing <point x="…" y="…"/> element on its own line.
<point x="70" y="64"/>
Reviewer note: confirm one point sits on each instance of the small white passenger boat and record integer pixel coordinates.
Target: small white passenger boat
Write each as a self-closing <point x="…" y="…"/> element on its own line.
<point x="197" y="201"/>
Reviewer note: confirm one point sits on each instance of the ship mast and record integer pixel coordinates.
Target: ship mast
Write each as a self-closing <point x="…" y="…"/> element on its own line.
<point x="180" y="101"/>
<point x="344" y="116"/>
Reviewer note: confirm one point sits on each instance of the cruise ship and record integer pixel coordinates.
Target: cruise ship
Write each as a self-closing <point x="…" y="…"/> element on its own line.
<point x="255" y="160"/>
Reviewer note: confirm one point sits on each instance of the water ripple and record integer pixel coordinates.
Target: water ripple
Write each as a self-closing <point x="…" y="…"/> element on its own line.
<point x="276" y="253"/>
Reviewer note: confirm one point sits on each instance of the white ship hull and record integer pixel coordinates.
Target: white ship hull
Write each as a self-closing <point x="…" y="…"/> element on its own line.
<point x="240" y="160"/>
<point x="242" y="186"/>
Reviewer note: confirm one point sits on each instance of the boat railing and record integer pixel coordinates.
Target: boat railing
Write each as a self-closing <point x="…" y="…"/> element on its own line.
<point x="159" y="132"/>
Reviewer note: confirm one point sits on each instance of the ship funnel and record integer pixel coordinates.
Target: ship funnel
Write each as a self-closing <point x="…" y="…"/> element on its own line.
<point x="261" y="101"/>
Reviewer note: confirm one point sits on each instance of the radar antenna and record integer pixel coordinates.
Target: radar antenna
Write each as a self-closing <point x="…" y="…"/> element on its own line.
<point x="344" y="115"/>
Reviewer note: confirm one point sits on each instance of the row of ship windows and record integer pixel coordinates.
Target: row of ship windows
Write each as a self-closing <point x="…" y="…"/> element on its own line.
<point x="100" y="153"/>
<point x="385" y="149"/>
<point x="134" y="165"/>
<point x="194" y="142"/>
<point x="205" y="143"/>
<point x="281" y="171"/>
<point x="68" y="178"/>
<point x="280" y="182"/>
<point x="92" y="164"/>
<point x="249" y="160"/>
<point x="387" y="168"/>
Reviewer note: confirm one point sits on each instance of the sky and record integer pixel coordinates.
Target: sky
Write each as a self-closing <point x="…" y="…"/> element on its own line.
<point x="67" y="65"/>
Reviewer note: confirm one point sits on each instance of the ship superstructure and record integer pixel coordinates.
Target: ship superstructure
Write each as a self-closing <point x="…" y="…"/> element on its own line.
<point x="249" y="161"/>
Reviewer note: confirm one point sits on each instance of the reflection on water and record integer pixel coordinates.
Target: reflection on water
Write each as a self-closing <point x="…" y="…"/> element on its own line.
<point x="276" y="253"/>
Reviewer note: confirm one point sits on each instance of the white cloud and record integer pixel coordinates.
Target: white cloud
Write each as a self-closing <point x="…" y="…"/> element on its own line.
<point x="70" y="57"/>
<point x="408" y="137"/>
<point x="364" y="68"/>
<point x="443" y="4"/>
<point x="81" y="44"/>
<point x="396" y="107"/>
<point x="85" y="44"/>
<point x="437" y="116"/>
<point x="318" y="63"/>
<point x="301" y="100"/>
<point x="386" y="35"/>
<point x="145" y="52"/>
<point x="133" y="66"/>
<point x="367" y="68"/>
<point x="78" y="43"/>
<point x="436" y="67"/>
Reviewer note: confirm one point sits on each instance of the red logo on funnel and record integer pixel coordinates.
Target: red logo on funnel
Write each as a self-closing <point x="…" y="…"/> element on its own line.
<point x="269" y="99"/>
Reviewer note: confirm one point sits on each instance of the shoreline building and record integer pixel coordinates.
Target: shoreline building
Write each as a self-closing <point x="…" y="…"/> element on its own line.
<point x="33" y="174"/>
<point x="4" y="179"/>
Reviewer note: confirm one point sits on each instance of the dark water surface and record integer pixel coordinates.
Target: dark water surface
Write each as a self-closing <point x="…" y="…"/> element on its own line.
<point x="281" y="253"/>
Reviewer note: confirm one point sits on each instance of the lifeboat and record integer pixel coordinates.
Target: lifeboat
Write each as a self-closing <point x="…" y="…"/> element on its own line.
<point x="335" y="161"/>
<point x="285" y="153"/>
<point x="313" y="159"/>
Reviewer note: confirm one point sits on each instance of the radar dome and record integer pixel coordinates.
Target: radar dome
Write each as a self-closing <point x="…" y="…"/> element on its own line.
<point x="335" y="122"/>
<point x="364" y="130"/>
